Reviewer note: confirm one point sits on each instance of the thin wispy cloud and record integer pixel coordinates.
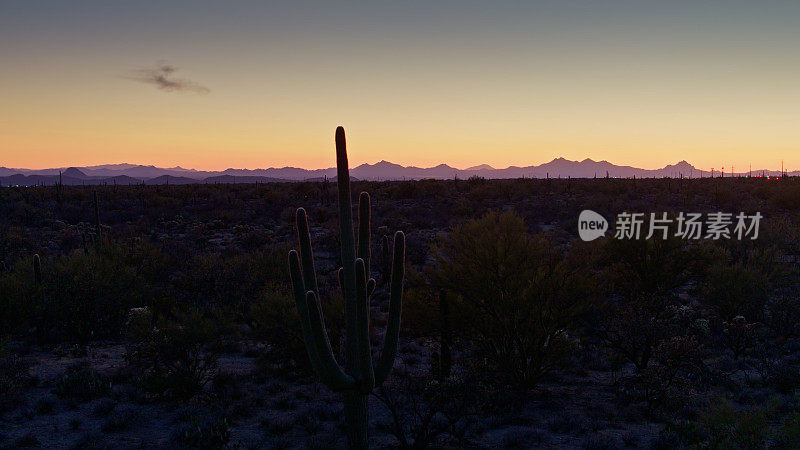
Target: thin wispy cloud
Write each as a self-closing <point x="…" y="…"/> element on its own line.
<point x="162" y="76"/>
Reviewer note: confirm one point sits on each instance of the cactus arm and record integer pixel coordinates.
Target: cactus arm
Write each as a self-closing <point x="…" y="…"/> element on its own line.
<point x="370" y="286"/>
<point x="363" y="230"/>
<point x="331" y="373"/>
<point x="299" y="291"/>
<point x="306" y="255"/>
<point x="309" y="274"/>
<point x="97" y="216"/>
<point x="391" y="338"/>
<point x="367" y="378"/>
<point x="314" y="334"/>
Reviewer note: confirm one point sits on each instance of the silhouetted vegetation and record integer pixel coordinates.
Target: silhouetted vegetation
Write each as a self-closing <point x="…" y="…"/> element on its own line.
<point x="173" y="314"/>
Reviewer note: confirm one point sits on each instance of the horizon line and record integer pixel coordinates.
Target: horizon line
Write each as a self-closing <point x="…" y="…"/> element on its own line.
<point x="470" y="168"/>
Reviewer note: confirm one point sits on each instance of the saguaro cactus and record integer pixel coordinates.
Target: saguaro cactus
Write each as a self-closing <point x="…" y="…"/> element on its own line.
<point x="97" y="216"/>
<point x="358" y="377"/>
<point x="37" y="270"/>
<point x="446" y="358"/>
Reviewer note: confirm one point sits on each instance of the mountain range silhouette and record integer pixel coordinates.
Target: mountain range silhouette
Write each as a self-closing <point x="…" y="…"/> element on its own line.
<point x="124" y="174"/>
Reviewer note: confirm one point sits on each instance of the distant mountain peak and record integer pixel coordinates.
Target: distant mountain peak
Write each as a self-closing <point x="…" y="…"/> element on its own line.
<point x="73" y="172"/>
<point x="682" y="165"/>
<point x="384" y="164"/>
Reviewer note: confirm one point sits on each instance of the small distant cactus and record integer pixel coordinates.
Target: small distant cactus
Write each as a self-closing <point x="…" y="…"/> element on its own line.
<point x="59" y="188"/>
<point x="446" y="356"/>
<point x="37" y="270"/>
<point x="97" y="216"/>
<point x="359" y="377"/>
<point x="83" y="242"/>
<point x="324" y="191"/>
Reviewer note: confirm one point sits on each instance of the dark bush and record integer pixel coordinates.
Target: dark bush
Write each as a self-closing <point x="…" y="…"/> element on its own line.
<point x="519" y="295"/>
<point x="206" y="433"/>
<point x="81" y="383"/>
<point x="425" y="413"/>
<point x="13" y="375"/>
<point x="176" y="358"/>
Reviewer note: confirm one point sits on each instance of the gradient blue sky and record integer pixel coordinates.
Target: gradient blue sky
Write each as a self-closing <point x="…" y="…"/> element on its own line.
<point x="634" y="82"/>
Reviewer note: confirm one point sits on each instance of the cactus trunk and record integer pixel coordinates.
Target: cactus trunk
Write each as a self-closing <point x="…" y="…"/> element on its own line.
<point x="358" y="377"/>
<point x="446" y="358"/>
<point x="37" y="270"/>
<point x="356" y="418"/>
<point x="97" y="215"/>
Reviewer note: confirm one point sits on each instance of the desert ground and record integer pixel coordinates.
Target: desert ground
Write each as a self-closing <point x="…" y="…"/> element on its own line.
<point x="162" y="316"/>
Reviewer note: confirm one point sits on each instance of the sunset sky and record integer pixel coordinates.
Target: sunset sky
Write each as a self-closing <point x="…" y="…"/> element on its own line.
<point x="264" y="84"/>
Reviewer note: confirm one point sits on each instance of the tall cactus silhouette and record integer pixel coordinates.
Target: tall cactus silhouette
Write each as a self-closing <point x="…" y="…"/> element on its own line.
<point x="358" y="377"/>
<point x="37" y="270"/>
<point x="97" y="216"/>
<point x="446" y="356"/>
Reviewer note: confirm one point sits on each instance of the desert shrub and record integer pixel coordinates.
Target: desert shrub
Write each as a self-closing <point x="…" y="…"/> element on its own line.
<point x="44" y="405"/>
<point x="786" y="197"/>
<point x="120" y="420"/>
<point x="19" y="297"/>
<point x="782" y="316"/>
<point x="206" y="433"/>
<point x="425" y="413"/>
<point x="681" y="434"/>
<point x="739" y="336"/>
<point x="214" y="279"/>
<point x="600" y="442"/>
<point x="787" y="435"/>
<point x="176" y="358"/>
<point x="104" y="407"/>
<point x="75" y="424"/>
<point x="632" y="328"/>
<point x="566" y="423"/>
<point x="522" y="438"/>
<point x="726" y="426"/>
<point x="676" y="368"/>
<point x="274" y="318"/>
<point x="641" y="308"/>
<point x="84" y="295"/>
<point x="13" y="375"/>
<point x="420" y="306"/>
<point x="644" y="267"/>
<point x="736" y="290"/>
<point x="779" y="372"/>
<point x="81" y="383"/>
<point x="28" y="440"/>
<point x="518" y="294"/>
